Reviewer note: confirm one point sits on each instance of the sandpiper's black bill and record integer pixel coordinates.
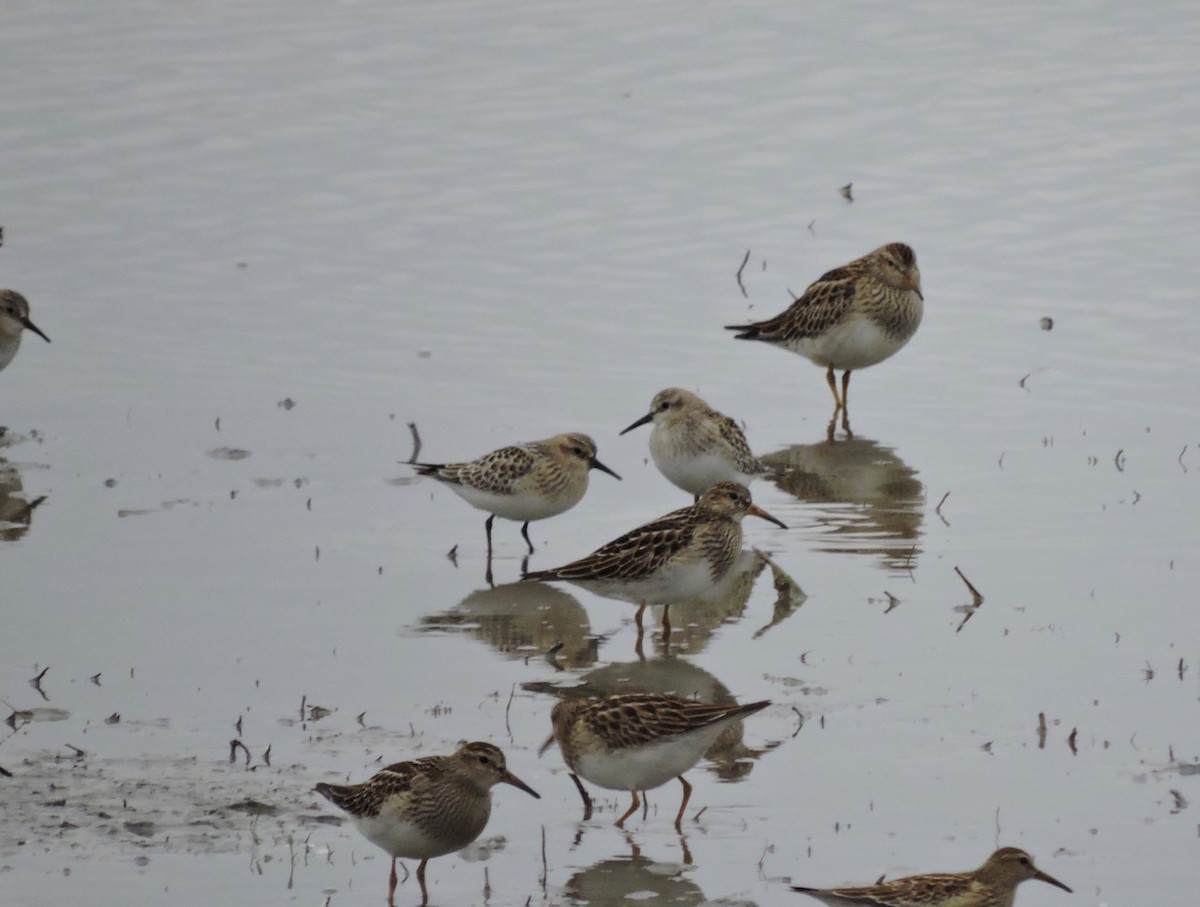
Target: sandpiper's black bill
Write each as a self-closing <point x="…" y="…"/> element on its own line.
<point x="649" y="417"/>
<point x="510" y="778"/>
<point x="30" y="326"/>
<point x="596" y="464"/>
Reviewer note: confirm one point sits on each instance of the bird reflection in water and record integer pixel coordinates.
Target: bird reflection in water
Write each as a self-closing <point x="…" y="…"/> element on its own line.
<point x="16" y="510"/>
<point x="868" y="500"/>
<point x="522" y="620"/>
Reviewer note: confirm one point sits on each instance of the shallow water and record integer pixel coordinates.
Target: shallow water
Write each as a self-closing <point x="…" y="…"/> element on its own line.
<point x="266" y="238"/>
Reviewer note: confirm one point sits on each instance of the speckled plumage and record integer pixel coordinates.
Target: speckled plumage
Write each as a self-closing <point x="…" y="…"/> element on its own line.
<point x="639" y="741"/>
<point x="993" y="884"/>
<point x="14" y="321"/>
<point x="695" y="446"/>
<point x="523" y="482"/>
<point x="427" y="807"/>
<point x="671" y="559"/>
<point x="851" y="317"/>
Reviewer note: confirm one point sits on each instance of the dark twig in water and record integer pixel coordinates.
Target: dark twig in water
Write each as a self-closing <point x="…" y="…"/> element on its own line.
<point x="233" y="748"/>
<point x="1021" y="383"/>
<point x="847" y="192"/>
<point x="1041" y="730"/>
<point x="412" y="427"/>
<point x="976" y="600"/>
<point x="267" y="755"/>
<point x="512" y="692"/>
<point x="974" y="592"/>
<point x="741" y="285"/>
<point x="452" y="555"/>
<point x="938" y="508"/>
<point x="1180" y="457"/>
<point x="892" y="602"/>
<point x="36" y="683"/>
<point x="1071" y="741"/>
<point x="800" y="721"/>
<point x="1119" y="460"/>
<point x="545" y="870"/>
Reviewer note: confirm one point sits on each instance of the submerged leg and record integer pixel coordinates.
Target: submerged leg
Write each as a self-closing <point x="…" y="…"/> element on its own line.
<point x="638" y="619"/>
<point x="629" y="812"/>
<point x="587" y="801"/>
<point x="687" y="795"/>
<point x="525" y="530"/>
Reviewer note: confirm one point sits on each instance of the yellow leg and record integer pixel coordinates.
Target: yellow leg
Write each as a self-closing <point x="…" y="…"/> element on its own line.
<point x="629" y="812"/>
<point x="687" y="795"/>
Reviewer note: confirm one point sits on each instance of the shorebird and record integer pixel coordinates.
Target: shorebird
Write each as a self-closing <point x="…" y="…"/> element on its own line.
<point x="673" y="558"/>
<point x="523" y="482"/>
<point x="427" y="807"/>
<point x="851" y="317"/>
<point x="695" y="446"/>
<point x="14" y="321"/>
<point x="994" y="884"/>
<point x="639" y="741"/>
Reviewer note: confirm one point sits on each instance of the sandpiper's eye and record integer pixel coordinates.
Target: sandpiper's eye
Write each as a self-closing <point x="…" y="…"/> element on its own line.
<point x="1024" y="861"/>
<point x="484" y="760"/>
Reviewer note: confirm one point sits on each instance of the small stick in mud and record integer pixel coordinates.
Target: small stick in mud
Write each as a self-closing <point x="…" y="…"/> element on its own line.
<point x="1041" y="730"/>
<point x="267" y="755"/>
<point x="233" y="748"/>
<point x="976" y="601"/>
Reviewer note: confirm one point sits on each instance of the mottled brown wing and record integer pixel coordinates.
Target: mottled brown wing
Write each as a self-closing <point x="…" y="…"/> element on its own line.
<point x="638" y="719"/>
<point x="494" y="472"/>
<point x="367" y="798"/>
<point x="633" y="555"/>
<point x="941" y="890"/>
<point x="824" y="302"/>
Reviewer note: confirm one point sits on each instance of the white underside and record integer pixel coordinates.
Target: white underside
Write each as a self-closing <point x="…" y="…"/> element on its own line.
<point x="646" y="767"/>
<point x="852" y="344"/>
<point x="9" y="344"/>
<point x="401" y="838"/>
<point x="522" y="506"/>
<point x="696" y="474"/>
<point x="673" y="584"/>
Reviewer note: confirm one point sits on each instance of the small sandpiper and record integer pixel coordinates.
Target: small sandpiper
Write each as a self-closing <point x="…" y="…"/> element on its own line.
<point x="851" y="317"/>
<point x="14" y="320"/>
<point x="428" y="807"/>
<point x="523" y="482"/>
<point x="639" y="741"/>
<point x="695" y="446"/>
<point x="994" y="884"/>
<point x="674" y="558"/>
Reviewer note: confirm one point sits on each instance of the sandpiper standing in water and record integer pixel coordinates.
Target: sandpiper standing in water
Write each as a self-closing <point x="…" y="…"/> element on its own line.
<point x="672" y="559"/>
<point x="14" y="321"/>
<point x="994" y="884"/>
<point x="428" y="807"/>
<point x="523" y="482"/>
<point x="695" y="446"/>
<point x="639" y="741"/>
<point x="851" y="317"/>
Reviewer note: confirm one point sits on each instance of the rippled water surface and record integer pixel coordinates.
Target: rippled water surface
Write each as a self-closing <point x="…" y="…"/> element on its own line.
<point x="265" y="237"/>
